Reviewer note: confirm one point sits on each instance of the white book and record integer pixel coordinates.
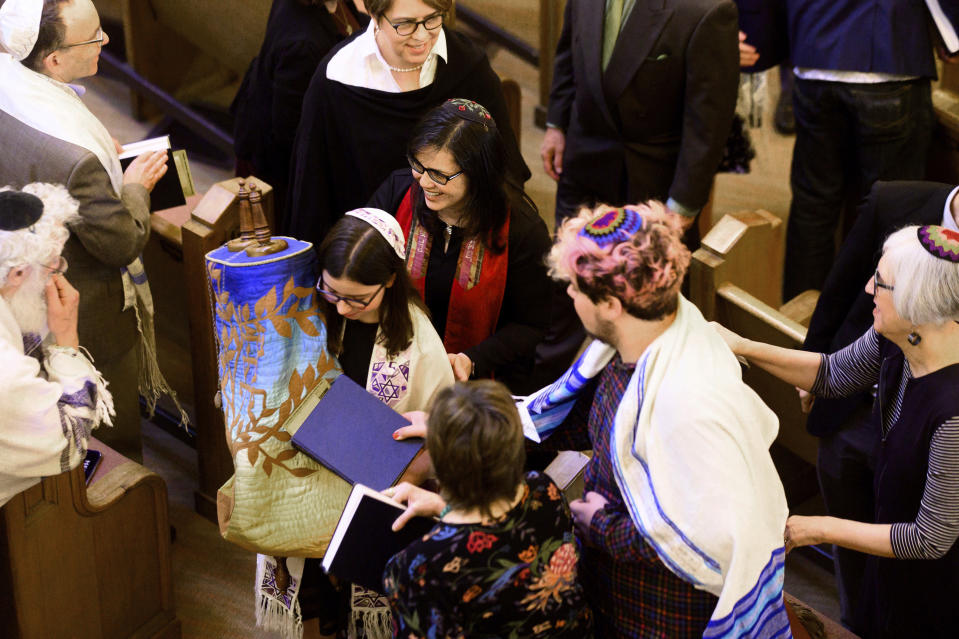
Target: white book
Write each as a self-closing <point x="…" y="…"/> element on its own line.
<point x="946" y="27"/>
<point x="134" y="149"/>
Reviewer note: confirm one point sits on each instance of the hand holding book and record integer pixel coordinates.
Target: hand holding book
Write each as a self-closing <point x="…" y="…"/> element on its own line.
<point x="419" y="502"/>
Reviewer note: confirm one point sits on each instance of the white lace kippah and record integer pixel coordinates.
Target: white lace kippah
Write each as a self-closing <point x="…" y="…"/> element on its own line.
<point x="386" y="224"/>
<point x="19" y="26"/>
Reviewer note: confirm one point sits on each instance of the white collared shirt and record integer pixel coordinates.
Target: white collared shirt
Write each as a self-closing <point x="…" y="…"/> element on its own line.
<point x="948" y="220"/>
<point x="360" y="63"/>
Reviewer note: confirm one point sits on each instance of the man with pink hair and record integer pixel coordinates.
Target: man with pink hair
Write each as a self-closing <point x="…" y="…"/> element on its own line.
<point x="683" y="514"/>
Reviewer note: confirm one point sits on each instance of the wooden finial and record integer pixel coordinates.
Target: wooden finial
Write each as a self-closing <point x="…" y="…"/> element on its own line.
<point x="264" y="243"/>
<point x="246" y="238"/>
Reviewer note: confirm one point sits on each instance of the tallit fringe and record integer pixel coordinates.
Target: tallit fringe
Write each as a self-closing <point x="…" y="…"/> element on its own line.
<point x="151" y="382"/>
<point x="104" y="408"/>
<point x="376" y="624"/>
<point x="274" y="616"/>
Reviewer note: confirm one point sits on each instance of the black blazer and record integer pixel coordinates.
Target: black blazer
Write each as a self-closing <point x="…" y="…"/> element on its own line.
<point x="658" y="118"/>
<point x="844" y="310"/>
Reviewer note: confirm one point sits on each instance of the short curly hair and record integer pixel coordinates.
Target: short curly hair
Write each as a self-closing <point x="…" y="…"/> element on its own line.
<point x="643" y="271"/>
<point x="44" y="240"/>
<point x="475" y="440"/>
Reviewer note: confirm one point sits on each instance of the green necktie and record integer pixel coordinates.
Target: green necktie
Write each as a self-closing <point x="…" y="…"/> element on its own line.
<point x="611" y="25"/>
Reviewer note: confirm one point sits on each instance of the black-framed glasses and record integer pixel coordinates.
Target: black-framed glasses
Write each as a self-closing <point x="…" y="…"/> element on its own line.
<point x="59" y="269"/>
<point x="409" y="27"/>
<point x="333" y="298"/>
<point x="97" y="40"/>
<point x="877" y="283"/>
<point x="437" y="176"/>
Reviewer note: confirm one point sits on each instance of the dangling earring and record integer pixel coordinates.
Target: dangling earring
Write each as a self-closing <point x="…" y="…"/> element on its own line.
<point x="914" y="338"/>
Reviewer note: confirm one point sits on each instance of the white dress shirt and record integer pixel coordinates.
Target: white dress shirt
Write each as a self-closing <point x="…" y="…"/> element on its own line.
<point x="360" y="63"/>
<point x="948" y="220"/>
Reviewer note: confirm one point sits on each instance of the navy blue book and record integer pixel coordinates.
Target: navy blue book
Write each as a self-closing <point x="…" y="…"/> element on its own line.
<point x="351" y="433"/>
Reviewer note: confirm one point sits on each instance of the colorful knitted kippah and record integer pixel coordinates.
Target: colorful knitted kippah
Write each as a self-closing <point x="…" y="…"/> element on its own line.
<point x="940" y="241"/>
<point x="19" y="210"/>
<point x="469" y="110"/>
<point x="613" y="226"/>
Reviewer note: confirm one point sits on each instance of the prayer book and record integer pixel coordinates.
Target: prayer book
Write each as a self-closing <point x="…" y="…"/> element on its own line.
<point x="176" y="184"/>
<point x="351" y="432"/>
<point x="567" y="470"/>
<point x="946" y="17"/>
<point x="364" y="541"/>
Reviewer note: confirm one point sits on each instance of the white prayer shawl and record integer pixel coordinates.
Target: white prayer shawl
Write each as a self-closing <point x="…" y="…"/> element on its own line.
<point x="47" y="414"/>
<point x="52" y="107"/>
<point x="691" y="458"/>
<point x="409" y="380"/>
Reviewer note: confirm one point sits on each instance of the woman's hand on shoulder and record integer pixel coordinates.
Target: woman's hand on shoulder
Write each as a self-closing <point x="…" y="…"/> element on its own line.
<point x="733" y="340"/>
<point x="418" y="501"/>
<point x="804" y="531"/>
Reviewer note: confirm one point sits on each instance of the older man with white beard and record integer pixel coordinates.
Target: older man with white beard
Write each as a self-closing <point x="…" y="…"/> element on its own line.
<point x="51" y="396"/>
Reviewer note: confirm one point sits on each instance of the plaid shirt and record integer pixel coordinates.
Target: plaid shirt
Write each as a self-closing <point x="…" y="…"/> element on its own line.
<point x="633" y="594"/>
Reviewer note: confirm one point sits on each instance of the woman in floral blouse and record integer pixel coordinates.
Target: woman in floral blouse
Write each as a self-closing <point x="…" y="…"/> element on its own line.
<point x="502" y="561"/>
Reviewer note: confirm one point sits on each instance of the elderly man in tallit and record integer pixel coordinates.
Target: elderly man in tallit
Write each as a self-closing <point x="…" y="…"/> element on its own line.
<point x="51" y="396"/>
<point x="48" y="135"/>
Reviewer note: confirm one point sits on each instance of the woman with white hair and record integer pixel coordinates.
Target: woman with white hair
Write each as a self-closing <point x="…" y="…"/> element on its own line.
<point x="911" y="356"/>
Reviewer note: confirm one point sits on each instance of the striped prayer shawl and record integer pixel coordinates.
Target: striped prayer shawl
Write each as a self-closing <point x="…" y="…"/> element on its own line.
<point x="691" y="457"/>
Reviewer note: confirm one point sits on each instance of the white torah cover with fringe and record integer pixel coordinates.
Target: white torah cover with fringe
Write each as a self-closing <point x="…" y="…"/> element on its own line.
<point x="691" y="457"/>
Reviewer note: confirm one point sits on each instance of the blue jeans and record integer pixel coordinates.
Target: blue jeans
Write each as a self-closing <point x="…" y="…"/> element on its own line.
<point x="847" y="137"/>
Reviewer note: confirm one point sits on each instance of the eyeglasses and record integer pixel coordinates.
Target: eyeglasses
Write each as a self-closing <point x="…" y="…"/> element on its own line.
<point x="437" y="176"/>
<point x="877" y="283"/>
<point x="333" y="298"/>
<point x="59" y="269"/>
<point x="97" y="40"/>
<point x="409" y="27"/>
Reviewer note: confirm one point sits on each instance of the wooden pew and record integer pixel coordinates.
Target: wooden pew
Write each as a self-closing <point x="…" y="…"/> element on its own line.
<point x="734" y="279"/>
<point x="88" y="562"/>
<point x="174" y="259"/>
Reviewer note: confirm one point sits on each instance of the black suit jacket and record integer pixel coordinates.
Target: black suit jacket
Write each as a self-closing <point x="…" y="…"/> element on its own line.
<point x="657" y="120"/>
<point x="844" y="310"/>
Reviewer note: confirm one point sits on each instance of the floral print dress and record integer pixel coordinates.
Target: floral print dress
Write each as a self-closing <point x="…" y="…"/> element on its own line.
<point x="513" y="578"/>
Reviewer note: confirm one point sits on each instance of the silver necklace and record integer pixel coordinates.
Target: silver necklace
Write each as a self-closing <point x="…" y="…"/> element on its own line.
<point x="399" y="70"/>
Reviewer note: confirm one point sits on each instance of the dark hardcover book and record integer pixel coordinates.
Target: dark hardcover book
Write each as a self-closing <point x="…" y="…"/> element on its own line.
<point x="364" y="541"/>
<point x="177" y="183"/>
<point x="351" y="433"/>
<point x="945" y="14"/>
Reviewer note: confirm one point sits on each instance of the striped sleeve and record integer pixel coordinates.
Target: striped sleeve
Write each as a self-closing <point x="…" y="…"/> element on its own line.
<point x="850" y="370"/>
<point x="937" y="524"/>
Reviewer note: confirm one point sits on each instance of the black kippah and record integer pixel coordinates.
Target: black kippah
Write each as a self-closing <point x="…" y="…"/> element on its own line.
<point x="18" y="210"/>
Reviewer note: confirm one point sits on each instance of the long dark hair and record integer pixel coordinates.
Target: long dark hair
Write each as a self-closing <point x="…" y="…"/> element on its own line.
<point x="479" y="151"/>
<point x="356" y="251"/>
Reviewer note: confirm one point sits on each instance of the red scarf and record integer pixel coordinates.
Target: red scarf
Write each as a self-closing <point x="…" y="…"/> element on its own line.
<point x="478" y="287"/>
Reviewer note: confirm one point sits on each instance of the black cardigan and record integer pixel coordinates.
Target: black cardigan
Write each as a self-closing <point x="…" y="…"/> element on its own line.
<point x="267" y="106"/>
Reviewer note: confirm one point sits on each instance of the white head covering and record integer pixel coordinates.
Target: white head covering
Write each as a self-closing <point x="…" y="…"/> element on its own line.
<point x="386" y="224"/>
<point x="19" y="26"/>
